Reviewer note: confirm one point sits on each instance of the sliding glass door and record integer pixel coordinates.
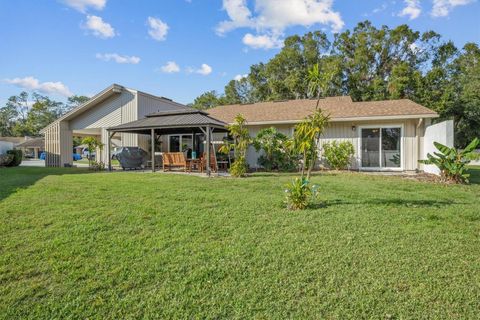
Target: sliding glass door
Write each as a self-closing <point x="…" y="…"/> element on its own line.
<point x="180" y="143"/>
<point x="381" y="147"/>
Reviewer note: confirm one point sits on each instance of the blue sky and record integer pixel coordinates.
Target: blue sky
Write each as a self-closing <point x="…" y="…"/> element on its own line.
<point x="181" y="48"/>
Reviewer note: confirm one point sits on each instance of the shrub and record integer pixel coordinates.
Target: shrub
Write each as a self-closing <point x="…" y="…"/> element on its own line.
<point x="17" y="157"/>
<point x="299" y="194"/>
<point x="276" y="148"/>
<point x="5" y="159"/>
<point x="338" y="155"/>
<point x="239" y="168"/>
<point x="453" y="163"/>
<point x="97" y="166"/>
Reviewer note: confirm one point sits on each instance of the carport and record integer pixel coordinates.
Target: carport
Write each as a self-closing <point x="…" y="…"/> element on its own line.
<point x="189" y="121"/>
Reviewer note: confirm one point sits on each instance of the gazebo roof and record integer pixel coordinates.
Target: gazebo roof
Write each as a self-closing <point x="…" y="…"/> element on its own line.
<point x="171" y="122"/>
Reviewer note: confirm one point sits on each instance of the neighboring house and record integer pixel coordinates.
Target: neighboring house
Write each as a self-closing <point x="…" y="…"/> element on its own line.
<point x="32" y="148"/>
<point x="386" y="135"/>
<point x="111" y="107"/>
<point x="9" y="143"/>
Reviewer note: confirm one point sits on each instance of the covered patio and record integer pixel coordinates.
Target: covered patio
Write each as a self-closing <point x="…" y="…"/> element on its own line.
<point x="192" y="122"/>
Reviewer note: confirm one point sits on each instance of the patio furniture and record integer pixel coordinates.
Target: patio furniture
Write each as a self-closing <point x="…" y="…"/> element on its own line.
<point x="175" y="159"/>
<point x="213" y="161"/>
<point x="195" y="164"/>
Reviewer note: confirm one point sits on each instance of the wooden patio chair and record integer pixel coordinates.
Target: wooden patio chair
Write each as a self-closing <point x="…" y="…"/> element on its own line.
<point x="175" y="159"/>
<point x="213" y="161"/>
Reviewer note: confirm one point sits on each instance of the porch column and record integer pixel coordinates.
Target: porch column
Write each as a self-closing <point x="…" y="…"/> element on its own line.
<point x="35" y="153"/>
<point x="208" y="150"/>
<point x="152" y="134"/>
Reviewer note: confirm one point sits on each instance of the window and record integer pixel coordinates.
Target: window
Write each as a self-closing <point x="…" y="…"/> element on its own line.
<point x="381" y="147"/>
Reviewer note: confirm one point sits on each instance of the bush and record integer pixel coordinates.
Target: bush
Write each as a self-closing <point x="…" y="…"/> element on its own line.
<point x="299" y="194"/>
<point x="239" y="168"/>
<point x="5" y="159"/>
<point x="17" y="157"/>
<point x="97" y="166"/>
<point x="276" y="148"/>
<point x="338" y="155"/>
<point x="453" y="163"/>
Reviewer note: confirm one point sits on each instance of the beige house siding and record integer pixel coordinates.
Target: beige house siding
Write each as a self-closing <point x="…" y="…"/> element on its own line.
<point x="150" y="104"/>
<point x="58" y="145"/>
<point x="344" y="131"/>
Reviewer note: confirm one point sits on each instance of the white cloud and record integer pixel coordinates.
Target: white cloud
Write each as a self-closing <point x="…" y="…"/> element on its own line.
<point x="98" y="27"/>
<point x="118" y="58"/>
<point x="170" y="67"/>
<point x="157" y="29"/>
<point x="412" y="9"/>
<point x="204" y="69"/>
<point x="31" y="83"/>
<point x="262" y="41"/>
<point x="83" y="5"/>
<point x="270" y="18"/>
<point x="442" y="8"/>
<point x="239" y="77"/>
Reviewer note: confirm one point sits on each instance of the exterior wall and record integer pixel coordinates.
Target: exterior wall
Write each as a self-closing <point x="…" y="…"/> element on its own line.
<point x="121" y="108"/>
<point x="58" y="145"/>
<point x="148" y="104"/>
<point x="343" y="131"/>
<point x="5" y="146"/>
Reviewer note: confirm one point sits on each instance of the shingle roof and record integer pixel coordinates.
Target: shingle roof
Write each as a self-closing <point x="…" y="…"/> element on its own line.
<point x="32" y="143"/>
<point x="339" y="108"/>
<point x="171" y="119"/>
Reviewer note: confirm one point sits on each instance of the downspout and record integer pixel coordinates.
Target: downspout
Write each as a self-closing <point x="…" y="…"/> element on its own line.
<point x="419" y="153"/>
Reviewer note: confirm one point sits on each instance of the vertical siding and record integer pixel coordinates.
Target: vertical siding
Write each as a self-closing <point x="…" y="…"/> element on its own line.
<point x="148" y="104"/>
<point x="343" y="131"/>
<point x="58" y="145"/>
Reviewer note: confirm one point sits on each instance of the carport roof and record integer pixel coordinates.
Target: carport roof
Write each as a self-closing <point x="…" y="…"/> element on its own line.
<point x="171" y="122"/>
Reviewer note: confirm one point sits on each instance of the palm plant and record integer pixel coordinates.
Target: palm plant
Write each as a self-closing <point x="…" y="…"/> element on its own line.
<point x="241" y="140"/>
<point x="451" y="162"/>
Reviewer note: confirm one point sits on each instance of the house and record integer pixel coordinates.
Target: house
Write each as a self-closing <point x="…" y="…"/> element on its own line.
<point x="113" y="106"/>
<point x="32" y="148"/>
<point x="386" y="135"/>
<point x="9" y="143"/>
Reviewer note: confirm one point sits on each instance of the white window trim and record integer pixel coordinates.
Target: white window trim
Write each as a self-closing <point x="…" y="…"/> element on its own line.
<point x="402" y="151"/>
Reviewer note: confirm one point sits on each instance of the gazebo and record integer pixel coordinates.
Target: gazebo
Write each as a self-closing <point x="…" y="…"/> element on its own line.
<point x="189" y="121"/>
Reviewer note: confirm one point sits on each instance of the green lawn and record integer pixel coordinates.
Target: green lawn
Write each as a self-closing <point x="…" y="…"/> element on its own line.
<point x="79" y="245"/>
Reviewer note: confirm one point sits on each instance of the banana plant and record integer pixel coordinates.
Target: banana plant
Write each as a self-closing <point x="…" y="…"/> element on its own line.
<point x="452" y="163"/>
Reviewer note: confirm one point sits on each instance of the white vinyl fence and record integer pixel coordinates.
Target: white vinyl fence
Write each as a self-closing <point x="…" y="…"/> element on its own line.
<point x="441" y="132"/>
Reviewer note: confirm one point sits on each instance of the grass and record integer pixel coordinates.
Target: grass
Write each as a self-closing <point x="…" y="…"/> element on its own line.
<point x="129" y="245"/>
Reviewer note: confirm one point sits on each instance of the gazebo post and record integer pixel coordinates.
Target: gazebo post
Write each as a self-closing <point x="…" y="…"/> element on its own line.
<point x="208" y="149"/>
<point x="153" y="149"/>
<point x="109" y="150"/>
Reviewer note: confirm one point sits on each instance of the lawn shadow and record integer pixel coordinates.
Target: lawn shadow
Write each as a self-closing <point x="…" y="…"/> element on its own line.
<point x="423" y="203"/>
<point x="474" y="174"/>
<point x="17" y="178"/>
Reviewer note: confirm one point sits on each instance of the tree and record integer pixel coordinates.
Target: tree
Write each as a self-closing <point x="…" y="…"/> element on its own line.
<point x="241" y="140"/>
<point x="307" y="139"/>
<point x="370" y="63"/>
<point x="8" y="116"/>
<point x="92" y="145"/>
<point x="75" y="101"/>
<point x="207" y="100"/>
